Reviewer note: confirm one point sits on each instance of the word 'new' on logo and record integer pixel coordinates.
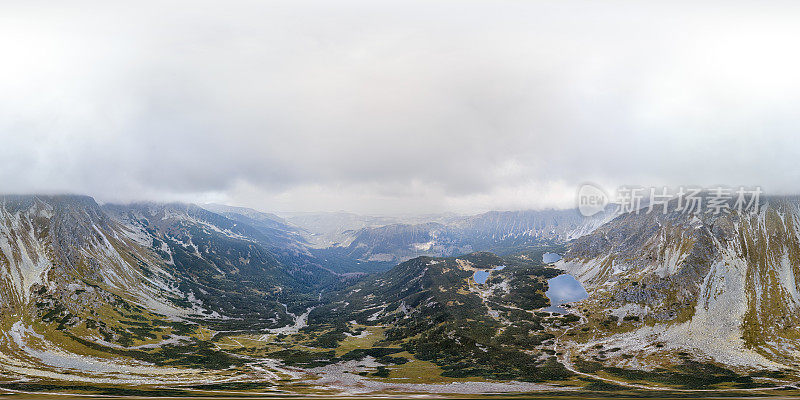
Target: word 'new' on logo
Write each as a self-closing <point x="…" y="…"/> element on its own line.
<point x="591" y="200"/>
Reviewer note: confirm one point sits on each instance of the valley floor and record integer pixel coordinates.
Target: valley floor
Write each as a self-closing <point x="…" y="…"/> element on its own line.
<point x="350" y="377"/>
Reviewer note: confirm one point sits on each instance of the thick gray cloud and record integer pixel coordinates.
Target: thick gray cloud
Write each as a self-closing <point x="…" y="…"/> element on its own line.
<point x="394" y="106"/>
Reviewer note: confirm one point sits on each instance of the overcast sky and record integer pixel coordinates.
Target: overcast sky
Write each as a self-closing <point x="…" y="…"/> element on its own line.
<point x="395" y="106"/>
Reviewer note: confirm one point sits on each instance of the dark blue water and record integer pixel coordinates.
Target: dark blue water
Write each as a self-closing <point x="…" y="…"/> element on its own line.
<point x="548" y="258"/>
<point x="563" y="289"/>
<point x="480" y="277"/>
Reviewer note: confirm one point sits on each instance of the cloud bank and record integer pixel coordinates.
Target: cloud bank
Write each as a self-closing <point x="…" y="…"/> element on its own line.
<point x="395" y="106"/>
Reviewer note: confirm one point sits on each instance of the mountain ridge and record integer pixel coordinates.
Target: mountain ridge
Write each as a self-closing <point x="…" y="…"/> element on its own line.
<point x="119" y="294"/>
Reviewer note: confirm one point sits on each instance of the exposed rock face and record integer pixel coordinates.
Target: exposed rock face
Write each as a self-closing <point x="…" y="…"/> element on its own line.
<point x="234" y="268"/>
<point x="723" y="285"/>
<point x="118" y="286"/>
<point x="58" y="241"/>
<point x="126" y="283"/>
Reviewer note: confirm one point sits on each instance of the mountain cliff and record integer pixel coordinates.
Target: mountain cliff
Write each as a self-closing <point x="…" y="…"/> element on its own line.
<point x="127" y="293"/>
<point x="723" y="287"/>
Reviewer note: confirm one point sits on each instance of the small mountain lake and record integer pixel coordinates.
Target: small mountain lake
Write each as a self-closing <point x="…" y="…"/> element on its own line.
<point x="480" y="277"/>
<point x="548" y="258"/>
<point x="563" y="289"/>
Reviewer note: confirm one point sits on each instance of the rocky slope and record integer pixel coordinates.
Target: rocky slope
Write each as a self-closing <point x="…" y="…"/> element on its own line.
<point x="721" y="287"/>
<point x="75" y="281"/>
<point x="237" y="269"/>
<point x="174" y="294"/>
<point x="131" y="296"/>
<point x="130" y="293"/>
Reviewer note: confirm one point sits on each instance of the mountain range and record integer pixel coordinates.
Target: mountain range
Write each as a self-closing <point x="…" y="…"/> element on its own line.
<point x="180" y="299"/>
<point x="356" y="243"/>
